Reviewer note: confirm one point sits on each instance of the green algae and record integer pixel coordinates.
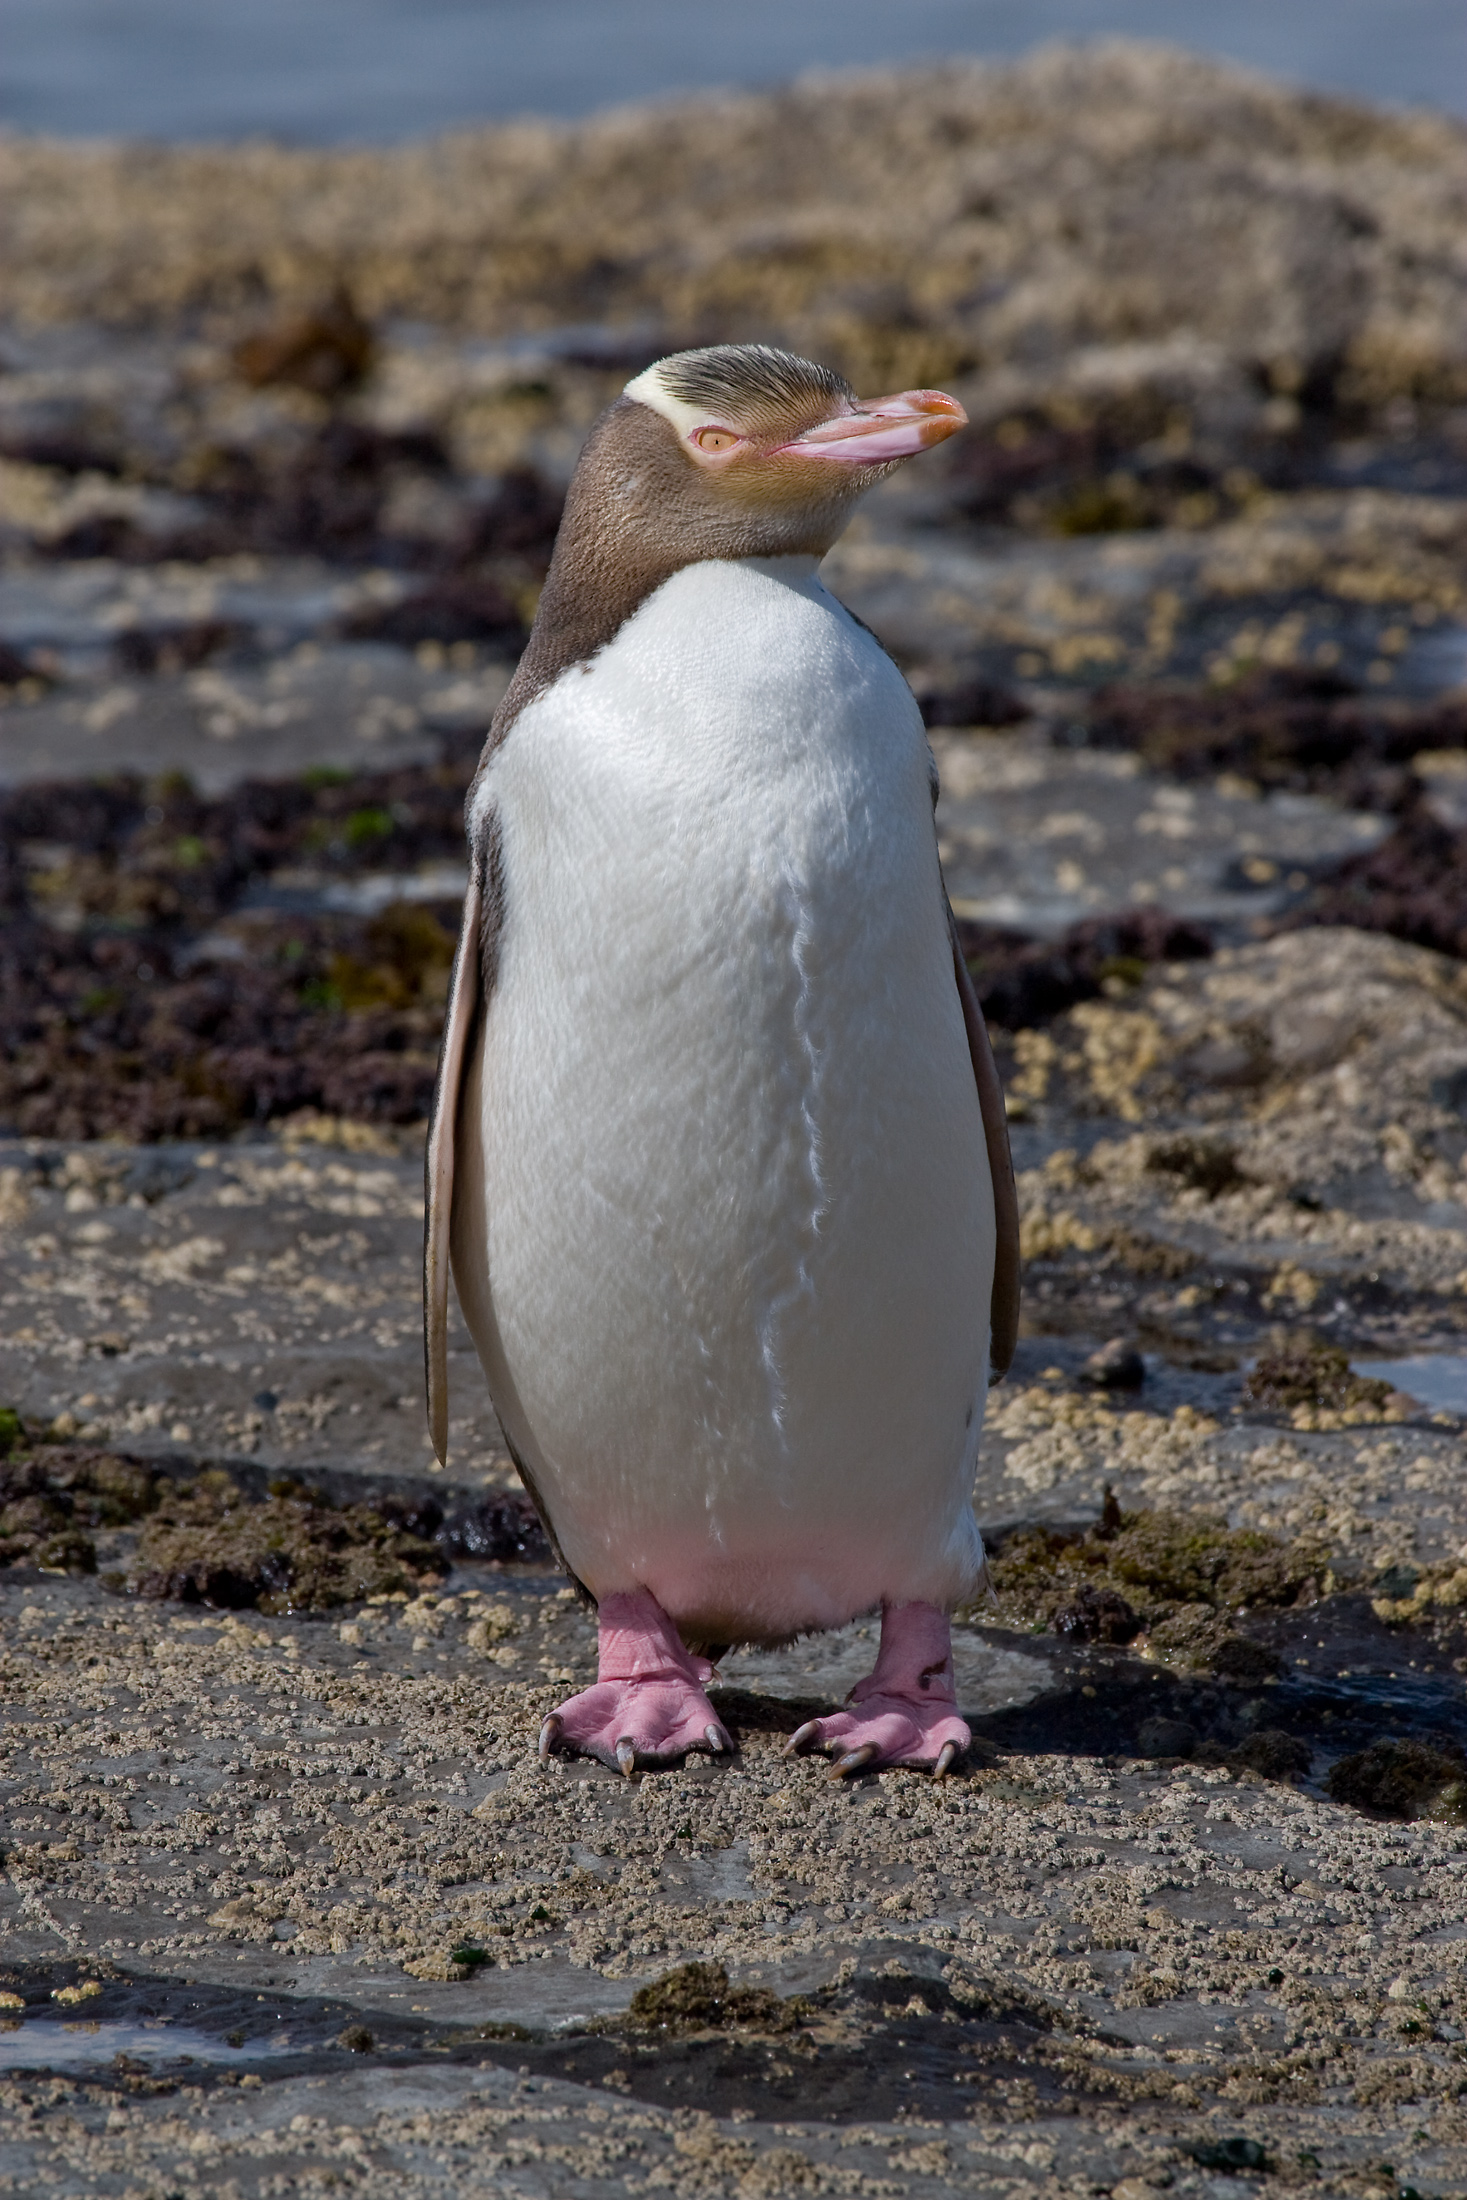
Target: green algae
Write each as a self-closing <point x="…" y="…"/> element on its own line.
<point x="206" y="1541"/>
<point x="1395" y="1779"/>
<point x="1305" y="1371"/>
<point x="697" y="1997"/>
<point x="1182" y="1577"/>
<point x="209" y="1543"/>
<point x="1207" y="1165"/>
<point x="1273" y="1755"/>
<point x="53" y="1497"/>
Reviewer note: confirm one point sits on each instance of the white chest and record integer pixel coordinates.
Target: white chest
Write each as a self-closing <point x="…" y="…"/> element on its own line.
<point x="741" y="736"/>
<point x="736" y="1213"/>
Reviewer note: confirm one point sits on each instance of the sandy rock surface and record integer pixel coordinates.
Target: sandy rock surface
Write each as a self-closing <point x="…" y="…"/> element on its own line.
<point x="1111" y="1941"/>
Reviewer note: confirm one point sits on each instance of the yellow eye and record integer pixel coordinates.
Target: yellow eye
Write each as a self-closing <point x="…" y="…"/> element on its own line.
<point x="715" y="439"/>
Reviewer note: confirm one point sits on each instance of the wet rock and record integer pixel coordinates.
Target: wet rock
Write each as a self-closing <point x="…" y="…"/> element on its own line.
<point x="697" y="1997"/>
<point x="1166" y="1738"/>
<point x="327" y="350"/>
<point x="207" y="1543"/>
<point x="1238" y="1658"/>
<point x="1208" y="1165"/>
<point x="1358" y="1029"/>
<point x="1021" y="982"/>
<point x="1301" y="728"/>
<point x="1401" y="1779"/>
<point x="1095" y="1615"/>
<point x="961" y="698"/>
<point x="1304" y="1370"/>
<point x="457" y="608"/>
<point x="1115" y="1366"/>
<point x="55" y="1497"/>
<point x="1230" y="2154"/>
<point x="1273" y="1754"/>
<point x="1413" y="885"/>
<point x="501" y="1528"/>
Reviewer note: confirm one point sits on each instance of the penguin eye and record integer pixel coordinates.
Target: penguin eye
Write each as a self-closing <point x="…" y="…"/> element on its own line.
<point x="715" y="439"/>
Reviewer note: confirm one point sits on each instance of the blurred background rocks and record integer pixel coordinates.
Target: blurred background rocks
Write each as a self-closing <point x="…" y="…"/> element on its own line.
<point x="284" y="436"/>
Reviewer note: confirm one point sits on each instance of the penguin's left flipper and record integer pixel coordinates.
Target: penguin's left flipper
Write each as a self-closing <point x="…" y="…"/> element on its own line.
<point x="906" y="1711"/>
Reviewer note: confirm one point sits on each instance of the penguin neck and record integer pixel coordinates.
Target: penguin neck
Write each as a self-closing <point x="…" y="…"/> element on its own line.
<point x="634" y="516"/>
<point x="796" y="568"/>
<point x="573" y="622"/>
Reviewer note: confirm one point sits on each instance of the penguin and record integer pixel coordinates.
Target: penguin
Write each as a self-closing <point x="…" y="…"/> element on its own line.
<point x="718" y="1155"/>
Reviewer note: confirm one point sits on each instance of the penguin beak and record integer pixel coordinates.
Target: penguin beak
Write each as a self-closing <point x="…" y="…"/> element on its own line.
<point x="883" y="428"/>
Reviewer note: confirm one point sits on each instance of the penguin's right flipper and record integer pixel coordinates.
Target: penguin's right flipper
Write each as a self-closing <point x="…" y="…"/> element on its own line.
<point x="464" y="996"/>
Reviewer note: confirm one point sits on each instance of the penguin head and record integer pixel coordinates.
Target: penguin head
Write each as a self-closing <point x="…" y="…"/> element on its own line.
<point x="736" y="451"/>
<point x="740" y="450"/>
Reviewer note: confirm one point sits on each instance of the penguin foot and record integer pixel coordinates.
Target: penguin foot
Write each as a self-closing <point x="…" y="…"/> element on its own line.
<point x="905" y="1712"/>
<point x="647" y="1706"/>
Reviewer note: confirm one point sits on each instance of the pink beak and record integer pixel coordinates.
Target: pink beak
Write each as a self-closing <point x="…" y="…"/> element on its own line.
<point x="884" y="428"/>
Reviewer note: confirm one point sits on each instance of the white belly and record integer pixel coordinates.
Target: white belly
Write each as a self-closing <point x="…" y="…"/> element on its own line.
<point x="734" y="1198"/>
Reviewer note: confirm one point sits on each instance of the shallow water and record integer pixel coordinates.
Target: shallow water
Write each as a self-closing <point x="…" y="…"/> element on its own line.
<point x="1437" y="1379"/>
<point x="52" y="2044"/>
<point x="336" y="70"/>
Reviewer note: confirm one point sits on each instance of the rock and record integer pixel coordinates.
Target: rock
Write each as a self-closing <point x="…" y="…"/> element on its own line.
<point x="1163" y="1737"/>
<point x="697" y="1997"/>
<point x="1230" y="2154"/>
<point x="993" y="209"/>
<point x="326" y="350"/>
<point x="1095" y="1615"/>
<point x="1116" y="1366"/>
<point x="1237" y="1658"/>
<point x="1400" y="1779"/>
<point x="1273" y="1754"/>
<point x="1305" y="1371"/>
<point x="965" y="698"/>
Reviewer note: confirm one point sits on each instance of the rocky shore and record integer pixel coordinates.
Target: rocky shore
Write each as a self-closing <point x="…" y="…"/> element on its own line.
<point x="287" y="1903"/>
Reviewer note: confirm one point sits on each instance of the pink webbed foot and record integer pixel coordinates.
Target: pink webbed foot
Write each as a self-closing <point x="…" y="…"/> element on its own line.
<point x="648" y="1705"/>
<point x="906" y="1711"/>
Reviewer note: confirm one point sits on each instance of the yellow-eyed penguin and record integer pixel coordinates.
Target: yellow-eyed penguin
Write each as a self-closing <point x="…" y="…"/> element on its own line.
<point x="718" y="1151"/>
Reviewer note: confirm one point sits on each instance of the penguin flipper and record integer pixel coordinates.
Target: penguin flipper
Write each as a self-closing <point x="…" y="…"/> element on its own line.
<point x="464" y="996"/>
<point x="1005" y="1306"/>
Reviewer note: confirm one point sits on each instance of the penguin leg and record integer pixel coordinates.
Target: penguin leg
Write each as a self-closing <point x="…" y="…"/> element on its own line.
<point x="906" y="1711"/>
<point x="648" y="1705"/>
